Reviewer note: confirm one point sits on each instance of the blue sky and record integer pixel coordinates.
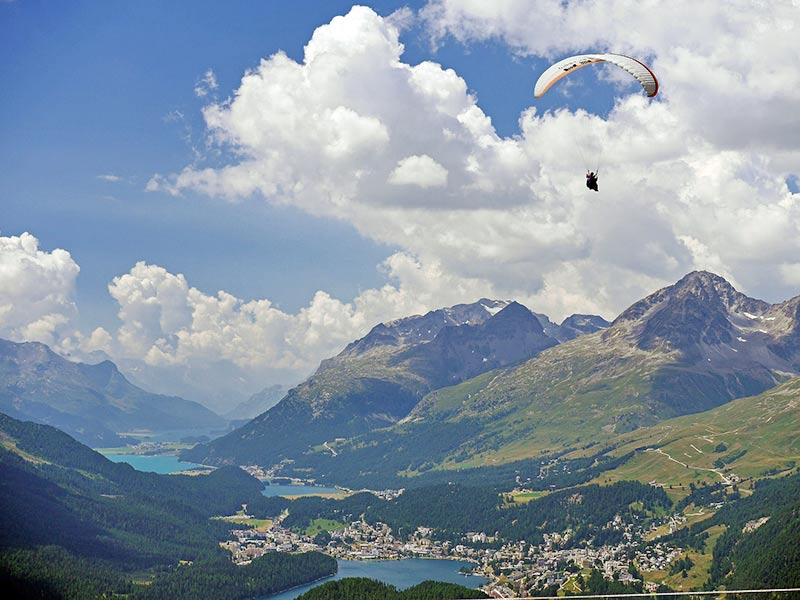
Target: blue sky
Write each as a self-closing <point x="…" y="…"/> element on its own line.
<point x="90" y="90"/>
<point x="94" y="88"/>
<point x="99" y="103"/>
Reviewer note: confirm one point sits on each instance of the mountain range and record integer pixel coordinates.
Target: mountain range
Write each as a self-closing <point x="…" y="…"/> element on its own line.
<point x="93" y="403"/>
<point x="485" y="384"/>
<point x="376" y="380"/>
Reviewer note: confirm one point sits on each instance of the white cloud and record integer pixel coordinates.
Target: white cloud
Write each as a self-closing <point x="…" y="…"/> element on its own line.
<point x="695" y="179"/>
<point x="718" y="62"/>
<point x="791" y="272"/>
<point x="229" y="345"/>
<point x="166" y="322"/>
<point x="402" y="19"/>
<point x="206" y="85"/>
<point x="36" y="290"/>
<point x="326" y="134"/>
<point x="421" y="171"/>
<point x="110" y="177"/>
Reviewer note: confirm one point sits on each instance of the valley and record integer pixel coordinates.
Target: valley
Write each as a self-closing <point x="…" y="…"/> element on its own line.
<point x="637" y="455"/>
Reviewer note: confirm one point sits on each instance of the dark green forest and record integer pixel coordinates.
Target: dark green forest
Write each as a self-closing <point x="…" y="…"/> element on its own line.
<point x="454" y="509"/>
<point x="76" y="525"/>
<point x="220" y="579"/>
<point x="360" y="588"/>
<point x="764" y="557"/>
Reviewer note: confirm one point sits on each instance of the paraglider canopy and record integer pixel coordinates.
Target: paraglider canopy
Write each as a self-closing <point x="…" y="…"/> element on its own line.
<point x="569" y="65"/>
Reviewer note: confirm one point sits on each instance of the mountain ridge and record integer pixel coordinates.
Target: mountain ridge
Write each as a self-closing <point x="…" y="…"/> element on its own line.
<point x="683" y="349"/>
<point x="682" y="367"/>
<point x="92" y="402"/>
<point x="376" y="380"/>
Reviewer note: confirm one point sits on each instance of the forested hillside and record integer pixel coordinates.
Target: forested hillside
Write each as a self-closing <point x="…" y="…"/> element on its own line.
<point x="759" y="547"/>
<point x="359" y="588"/>
<point x="76" y="525"/>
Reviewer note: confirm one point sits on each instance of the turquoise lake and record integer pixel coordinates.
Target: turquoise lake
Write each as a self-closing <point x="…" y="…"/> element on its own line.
<point x="165" y="464"/>
<point x="155" y="464"/>
<point x="399" y="573"/>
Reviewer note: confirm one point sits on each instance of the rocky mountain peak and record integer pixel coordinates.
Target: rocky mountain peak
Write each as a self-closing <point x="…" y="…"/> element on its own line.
<point x="578" y="324"/>
<point x="700" y="287"/>
<point x="709" y="287"/>
<point x="91" y="402"/>
<point x="26" y="352"/>
<point x="424" y="328"/>
<point x="514" y="312"/>
<point x="696" y="310"/>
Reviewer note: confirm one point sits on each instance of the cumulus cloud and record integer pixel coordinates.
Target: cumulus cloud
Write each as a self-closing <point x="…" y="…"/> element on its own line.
<point x="36" y="290"/>
<point x="326" y="134"/>
<point x="421" y="171"/>
<point x="718" y="62"/>
<point x="174" y="337"/>
<point x="166" y="322"/>
<point x="402" y="19"/>
<point x="702" y="177"/>
<point x="696" y="179"/>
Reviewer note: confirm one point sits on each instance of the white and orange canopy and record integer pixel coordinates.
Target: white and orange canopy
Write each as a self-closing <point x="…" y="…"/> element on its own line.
<point x="569" y="65"/>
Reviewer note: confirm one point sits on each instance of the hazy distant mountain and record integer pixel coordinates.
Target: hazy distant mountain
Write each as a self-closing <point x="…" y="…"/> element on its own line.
<point x="376" y="380"/>
<point x="93" y="403"/>
<point x="578" y="325"/>
<point x="257" y="403"/>
<point x="81" y="526"/>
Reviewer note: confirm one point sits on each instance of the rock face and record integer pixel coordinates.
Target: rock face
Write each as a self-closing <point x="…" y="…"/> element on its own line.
<point x="578" y="325"/>
<point x="424" y="328"/>
<point x="700" y="310"/>
<point x="459" y="353"/>
<point x="376" y="380"/>
<point x="725" y="344"/>
<point x="684" y="349"/>
<point x="90" y="402"/>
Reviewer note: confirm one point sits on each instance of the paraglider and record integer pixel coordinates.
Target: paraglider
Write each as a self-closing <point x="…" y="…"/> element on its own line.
<point x="591" y="181"/>
<point x="564" y="67"/>
<point x="640" y="71"/>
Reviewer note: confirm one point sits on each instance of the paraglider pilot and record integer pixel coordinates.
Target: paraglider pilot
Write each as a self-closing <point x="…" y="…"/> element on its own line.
<point x="591" y="180"/>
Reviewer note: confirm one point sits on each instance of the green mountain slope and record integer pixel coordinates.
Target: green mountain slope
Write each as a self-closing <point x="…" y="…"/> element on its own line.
<point x="678" y="351"/>
<point x="746" y="438"/>
<point x="685" y="349"/>
<point x="55" y="490"/>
